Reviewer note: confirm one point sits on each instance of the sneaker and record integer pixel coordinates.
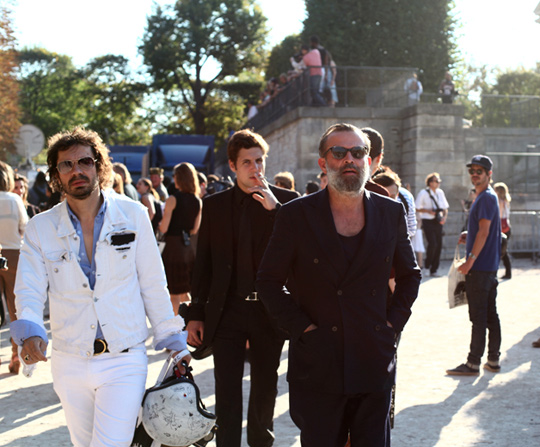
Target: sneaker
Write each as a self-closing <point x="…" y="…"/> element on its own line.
<point x="463" y="370"/>
<point x="491" y="368"/>
<point x="536" y="344"/>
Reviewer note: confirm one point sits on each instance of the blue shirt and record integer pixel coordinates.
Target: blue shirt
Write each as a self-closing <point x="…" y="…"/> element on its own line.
<point x="486" y="206"/>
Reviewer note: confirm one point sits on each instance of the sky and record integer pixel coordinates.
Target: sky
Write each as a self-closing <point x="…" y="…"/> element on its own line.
<point x="496" y="33"/>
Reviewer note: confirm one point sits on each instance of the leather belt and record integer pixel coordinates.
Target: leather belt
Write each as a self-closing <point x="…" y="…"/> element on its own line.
<point x="252" y="297"/>
<point x="101" y="347"/>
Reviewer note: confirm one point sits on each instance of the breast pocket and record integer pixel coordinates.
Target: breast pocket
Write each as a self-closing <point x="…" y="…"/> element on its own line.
<point x="62" y="268"/>
<point x="121" y="249"/>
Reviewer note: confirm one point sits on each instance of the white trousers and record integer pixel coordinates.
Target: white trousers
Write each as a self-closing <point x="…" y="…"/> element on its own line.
<point x="101" y="396"/>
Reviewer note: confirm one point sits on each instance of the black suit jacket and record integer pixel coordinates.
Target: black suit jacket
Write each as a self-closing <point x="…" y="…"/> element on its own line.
<point x="214" y="259"/>
<point x="353" y="349"/>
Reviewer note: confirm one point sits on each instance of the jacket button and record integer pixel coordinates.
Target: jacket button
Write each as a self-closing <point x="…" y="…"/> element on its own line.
<point x="124" y="257"/>
<point x="387" y="259"/>
<point x="334" y="328"/>
<point x="229" y="266"/>
<point x="96" y="300"/>
<point x="339" y="292"/>
<point x="55" y="270"/>
<point x="315" y="261"/>
<point x="88" y="354"/>
<point x="377" y="328"/>
<point x="85" y="285"/>
<point x="373" y="292"/>
<point x="92" y="326"/>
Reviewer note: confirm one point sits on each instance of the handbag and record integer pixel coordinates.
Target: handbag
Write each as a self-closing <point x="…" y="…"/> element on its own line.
<point x="439" y="212"/>
<point x="457" y="296"/>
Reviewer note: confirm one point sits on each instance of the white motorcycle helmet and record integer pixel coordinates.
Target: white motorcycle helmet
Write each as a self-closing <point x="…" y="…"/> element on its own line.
<point x="173" y="413"/>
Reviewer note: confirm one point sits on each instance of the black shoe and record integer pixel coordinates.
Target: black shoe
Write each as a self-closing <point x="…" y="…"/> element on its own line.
<point x="463" y="370"/>
<point x="491" y="368"/>
<point x="507" y="276"/>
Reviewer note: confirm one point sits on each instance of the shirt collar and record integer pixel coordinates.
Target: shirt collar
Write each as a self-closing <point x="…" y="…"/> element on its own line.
<point x="99" y="216"/>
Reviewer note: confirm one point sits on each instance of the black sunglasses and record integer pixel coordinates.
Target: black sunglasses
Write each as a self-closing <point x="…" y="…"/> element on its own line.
<point x="476" y="171"/>
<point x="339" y="152"/>
<point x="85" y="163"/>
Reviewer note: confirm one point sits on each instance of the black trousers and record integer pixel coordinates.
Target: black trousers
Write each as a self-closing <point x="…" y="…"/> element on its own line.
<point x="241" y="322"/>
<point x="433" y="232"/>
<point x="326" y="419"/>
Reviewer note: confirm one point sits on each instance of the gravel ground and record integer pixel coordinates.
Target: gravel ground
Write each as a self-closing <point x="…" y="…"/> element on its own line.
<point x="433" y="409"/>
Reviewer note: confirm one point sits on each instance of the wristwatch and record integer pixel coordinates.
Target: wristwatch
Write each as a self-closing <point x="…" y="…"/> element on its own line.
<point x="472" y="256"/>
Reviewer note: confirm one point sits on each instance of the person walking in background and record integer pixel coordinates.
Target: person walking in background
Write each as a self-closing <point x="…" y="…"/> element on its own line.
<point x="447" y="89"/>
<point x="504" y="206"/>
<point x="312" y="60"/>
<point x="432" y="206"/>
<point x="180" y="224"/>
<point x="94" y="257"/>
<point x="21" y="189"/>
<point x="128" y="188"/>
<point x="483" y="242"/>
<point x="150" y="199"/>
<point x="37" y="195"/>
<point x="413" y="89"/>
<point x="13" y="220"/>
<point x="156" y="177"/>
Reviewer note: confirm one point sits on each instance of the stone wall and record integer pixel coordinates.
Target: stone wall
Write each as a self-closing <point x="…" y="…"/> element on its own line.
<point x="419" y="140"/>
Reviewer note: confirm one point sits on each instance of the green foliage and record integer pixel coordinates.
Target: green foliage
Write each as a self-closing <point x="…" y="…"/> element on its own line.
<point x="51" y="91"/>
<point x="386" y="33"/>
<point x="116" y="101"/>
<point x="9" y="104"/>
<point x="182" y="40"/>
<point x="103" y="96"/>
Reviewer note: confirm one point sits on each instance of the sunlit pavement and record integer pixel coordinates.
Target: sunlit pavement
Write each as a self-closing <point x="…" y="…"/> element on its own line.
<point x="432" y="409"/>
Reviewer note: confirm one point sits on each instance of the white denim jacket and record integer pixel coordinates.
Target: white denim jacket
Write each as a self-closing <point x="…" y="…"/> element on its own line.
<point x="130" y="280"/>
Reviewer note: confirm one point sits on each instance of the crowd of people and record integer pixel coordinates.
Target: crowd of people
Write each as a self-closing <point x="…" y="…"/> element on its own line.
<point x="253" y="264"/>
<point x="318" y="63"/>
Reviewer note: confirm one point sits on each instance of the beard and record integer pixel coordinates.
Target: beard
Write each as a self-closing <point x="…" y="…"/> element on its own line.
<point x="348" y="184"/>
<point x="81" y="192"/>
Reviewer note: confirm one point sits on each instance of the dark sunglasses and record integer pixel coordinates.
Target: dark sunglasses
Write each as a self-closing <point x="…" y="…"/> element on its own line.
<point x="85" y="163"/>
<point x="339" y="152"/>
<point x="476" y="171"/>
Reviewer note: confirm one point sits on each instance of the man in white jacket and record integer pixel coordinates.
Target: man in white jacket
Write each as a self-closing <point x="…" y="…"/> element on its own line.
<point x="95" y="257"/>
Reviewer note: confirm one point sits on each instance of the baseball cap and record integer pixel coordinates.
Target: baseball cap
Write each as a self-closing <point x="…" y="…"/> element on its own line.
<point x="481" y="160"/>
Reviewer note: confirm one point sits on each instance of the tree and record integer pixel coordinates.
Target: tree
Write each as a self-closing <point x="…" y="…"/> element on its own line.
<point x="182" y="40"/>
<point x="52" y="91"/>
<point x="9" y="106"/>
<point x="116" y="100"/>
<point x="386" y="33"/>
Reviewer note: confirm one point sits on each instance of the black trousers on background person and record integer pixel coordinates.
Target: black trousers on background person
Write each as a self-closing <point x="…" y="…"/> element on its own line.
<point x="433" y="232"/>
<point x="244" y="321"/>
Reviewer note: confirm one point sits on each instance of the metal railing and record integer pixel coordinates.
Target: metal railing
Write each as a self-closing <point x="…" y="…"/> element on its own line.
<point x="356" y="87"/>
<point x="511" y="111"/>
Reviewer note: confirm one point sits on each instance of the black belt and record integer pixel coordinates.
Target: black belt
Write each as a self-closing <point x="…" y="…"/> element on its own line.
<point x="101" y="347"/>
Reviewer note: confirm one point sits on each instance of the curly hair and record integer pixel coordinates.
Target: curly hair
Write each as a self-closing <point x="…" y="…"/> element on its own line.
<point x="79" y="136"/>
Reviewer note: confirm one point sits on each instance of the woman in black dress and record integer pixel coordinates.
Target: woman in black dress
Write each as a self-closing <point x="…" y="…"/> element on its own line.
<point x="180" y="224"/>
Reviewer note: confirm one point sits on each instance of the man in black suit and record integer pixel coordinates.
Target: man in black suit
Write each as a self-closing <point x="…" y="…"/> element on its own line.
<point x="225" y="312"/>
<point x="333" y="250"/>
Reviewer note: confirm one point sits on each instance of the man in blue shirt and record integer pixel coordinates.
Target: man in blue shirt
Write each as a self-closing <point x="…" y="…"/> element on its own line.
<point x="483" y="239"/>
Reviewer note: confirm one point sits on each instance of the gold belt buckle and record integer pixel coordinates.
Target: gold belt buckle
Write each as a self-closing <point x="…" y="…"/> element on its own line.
<point x="104" y="346"/>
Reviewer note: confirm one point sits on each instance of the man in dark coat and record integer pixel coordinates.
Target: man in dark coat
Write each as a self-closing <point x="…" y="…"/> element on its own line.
<point x="225" y="312"/>
<point x="333" y="251"/>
